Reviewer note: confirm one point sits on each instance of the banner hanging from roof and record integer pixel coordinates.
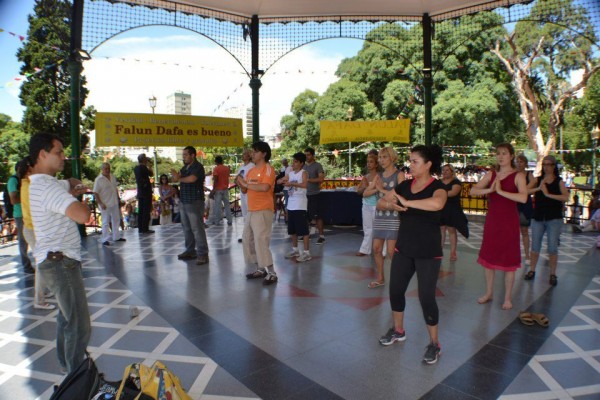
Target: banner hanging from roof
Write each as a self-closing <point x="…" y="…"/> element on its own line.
<point x="167" y="130"/>
<point x="365" y="131"/>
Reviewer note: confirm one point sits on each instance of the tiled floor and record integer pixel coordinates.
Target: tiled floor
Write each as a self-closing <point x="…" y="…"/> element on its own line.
<point x="314" y="334"/>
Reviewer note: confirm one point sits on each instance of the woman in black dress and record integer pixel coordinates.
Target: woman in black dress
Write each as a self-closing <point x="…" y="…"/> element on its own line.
<point x="453" y="217"/>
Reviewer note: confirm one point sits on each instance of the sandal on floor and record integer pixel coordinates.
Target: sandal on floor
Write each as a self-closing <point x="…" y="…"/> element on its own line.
<point x="529" y="275"/>
<point x="526" y="318"/>
<point x="541" y="320"/>
<point x="553" y="280"/>
<point x="375" y="284"/>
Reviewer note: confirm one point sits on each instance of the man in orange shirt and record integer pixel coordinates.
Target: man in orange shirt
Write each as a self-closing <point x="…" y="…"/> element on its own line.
<point x="258" y="224"/>
<point x="220" y="193"/>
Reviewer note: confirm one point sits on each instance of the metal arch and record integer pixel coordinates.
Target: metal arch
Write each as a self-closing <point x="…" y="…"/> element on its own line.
<point x="175" y="26"/>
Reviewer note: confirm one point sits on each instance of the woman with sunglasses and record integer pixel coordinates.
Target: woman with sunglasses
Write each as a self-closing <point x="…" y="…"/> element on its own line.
<point x="550" y="195"/>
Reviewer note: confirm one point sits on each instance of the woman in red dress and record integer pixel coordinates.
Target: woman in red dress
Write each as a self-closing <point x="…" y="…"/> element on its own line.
<point x="500" y="249"/>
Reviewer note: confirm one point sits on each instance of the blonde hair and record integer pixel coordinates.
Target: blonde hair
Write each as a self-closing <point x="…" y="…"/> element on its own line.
<point x="450" y="167"/>
<point x="391" y="153"/>
<point x="247" y="151"/>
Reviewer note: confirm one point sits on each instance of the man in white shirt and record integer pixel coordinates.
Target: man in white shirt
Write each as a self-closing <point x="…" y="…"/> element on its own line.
<point x="106" y="191"/>
<point x="243" y="172"/>
<point x="55" y="214"/>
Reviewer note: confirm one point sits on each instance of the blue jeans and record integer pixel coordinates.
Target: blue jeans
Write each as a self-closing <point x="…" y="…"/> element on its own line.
<point x="73" y="325"/>
<point x="552" y="229"/>
<point x="192" y="220"/>
<point x="22" y="243"/>
<point x="221" y="198"/>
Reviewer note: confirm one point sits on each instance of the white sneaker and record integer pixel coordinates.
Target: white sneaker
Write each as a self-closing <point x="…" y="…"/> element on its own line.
<point x="304" y="257"/>
<point x="44" y="306"/>
<point x="292" y="254"/>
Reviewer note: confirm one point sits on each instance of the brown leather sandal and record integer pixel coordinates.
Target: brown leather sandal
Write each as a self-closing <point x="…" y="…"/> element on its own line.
<point x="541" y="320"/>
<point x="526" y="318"/>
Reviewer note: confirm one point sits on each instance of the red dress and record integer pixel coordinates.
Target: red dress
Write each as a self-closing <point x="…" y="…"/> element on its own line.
<point x="501" y="247"/>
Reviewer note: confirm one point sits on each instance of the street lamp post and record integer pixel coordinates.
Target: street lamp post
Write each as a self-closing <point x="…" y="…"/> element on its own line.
<point x="152" y="101"/>
<point x="595" y="135"/>
<point x="349" y="114"/>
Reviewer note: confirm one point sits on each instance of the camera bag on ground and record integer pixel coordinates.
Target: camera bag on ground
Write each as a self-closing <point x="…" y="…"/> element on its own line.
<point x="81" y="384"/>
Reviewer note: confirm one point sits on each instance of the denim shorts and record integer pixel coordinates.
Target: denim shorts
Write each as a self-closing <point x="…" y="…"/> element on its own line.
<point x="552" y="229"/>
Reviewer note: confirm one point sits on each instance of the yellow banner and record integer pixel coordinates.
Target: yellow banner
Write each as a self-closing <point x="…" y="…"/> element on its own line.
<point x="141" y="130"/>
<point x="365" y="131"/>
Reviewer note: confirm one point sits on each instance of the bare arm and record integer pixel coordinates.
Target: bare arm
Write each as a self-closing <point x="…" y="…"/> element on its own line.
<point x="389" y="202"/>
<point x="455" y="191"/>
<point x="363" y="185"/>
<point x="15" y="197"/>
<point x="78" y="212"/>
<point x="434" y="203"/>
<point x="480" y="188"/>
<point x="303" y="184"/>
<point x="521" y="196"/>
<point x="563" y="196"/>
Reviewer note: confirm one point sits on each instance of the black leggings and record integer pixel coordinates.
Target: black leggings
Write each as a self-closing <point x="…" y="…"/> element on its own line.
<point x="402" y="271"/>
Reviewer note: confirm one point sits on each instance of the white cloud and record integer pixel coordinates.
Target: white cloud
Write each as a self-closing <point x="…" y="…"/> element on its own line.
<point x="204" y="70"/>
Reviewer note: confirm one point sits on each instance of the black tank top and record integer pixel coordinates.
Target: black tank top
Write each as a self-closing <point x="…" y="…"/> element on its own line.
<point x="545" y="208"/>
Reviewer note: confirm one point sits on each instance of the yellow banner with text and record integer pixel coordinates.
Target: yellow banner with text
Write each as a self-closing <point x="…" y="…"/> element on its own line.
<point x="141" y="130"/>
<point x="365" y="131"/>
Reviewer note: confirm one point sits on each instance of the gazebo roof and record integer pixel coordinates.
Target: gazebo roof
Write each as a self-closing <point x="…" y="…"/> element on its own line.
<point x="283" y="10"/>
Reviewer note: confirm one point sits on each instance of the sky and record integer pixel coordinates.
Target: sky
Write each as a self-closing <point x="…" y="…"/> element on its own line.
<point x="128" y="69"/>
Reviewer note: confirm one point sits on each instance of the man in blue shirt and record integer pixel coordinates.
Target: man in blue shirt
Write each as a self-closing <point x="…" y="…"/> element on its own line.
<point x="191" y="179"/>
<point x="14" y="190"/>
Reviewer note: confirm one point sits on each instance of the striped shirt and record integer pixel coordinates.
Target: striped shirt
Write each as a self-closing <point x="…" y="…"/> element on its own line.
<point x="54" y="231"/>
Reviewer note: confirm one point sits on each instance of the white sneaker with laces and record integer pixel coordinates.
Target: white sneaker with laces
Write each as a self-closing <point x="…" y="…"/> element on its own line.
<point x="304" y="257"/>
<point x="292" y="254"/>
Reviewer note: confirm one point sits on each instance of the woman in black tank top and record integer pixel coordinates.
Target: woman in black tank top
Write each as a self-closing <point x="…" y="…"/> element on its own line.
<point x="550" y="196"/>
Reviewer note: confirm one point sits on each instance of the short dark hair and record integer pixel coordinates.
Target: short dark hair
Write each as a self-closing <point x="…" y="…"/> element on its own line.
<point x="431" y="153"/>
<point x="142" y="157"/>
<point x="219" y="160"/>
<point x="191" y="150"/>
<point x="263" y="147"/>
<point x="310" y="150"/>
<point x="21" y="167"/>
<point x="42" y="141"/>
<point x="300" y="157"/>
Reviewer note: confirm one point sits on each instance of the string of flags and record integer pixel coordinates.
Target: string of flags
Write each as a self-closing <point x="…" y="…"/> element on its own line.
<point x="228" y="97"/>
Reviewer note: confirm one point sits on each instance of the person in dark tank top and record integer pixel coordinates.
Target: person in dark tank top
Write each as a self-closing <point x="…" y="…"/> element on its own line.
<point x="419" y="246"/>
<point x="550" y="195"/>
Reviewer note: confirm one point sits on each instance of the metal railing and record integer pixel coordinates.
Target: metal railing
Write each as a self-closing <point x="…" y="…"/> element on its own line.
<point x="478" y="205"/>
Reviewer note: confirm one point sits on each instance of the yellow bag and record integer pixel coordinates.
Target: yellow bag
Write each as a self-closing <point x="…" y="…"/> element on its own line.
<point x="157" y="382"/>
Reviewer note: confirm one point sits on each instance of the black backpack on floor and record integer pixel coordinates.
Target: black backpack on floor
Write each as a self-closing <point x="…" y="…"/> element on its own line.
<point x="81" y="384"/>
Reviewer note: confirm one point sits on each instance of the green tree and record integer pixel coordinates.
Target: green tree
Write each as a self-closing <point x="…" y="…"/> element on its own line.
<point x="14" y="145"/>
<point x="473" y="98"/>
<point x="46" y="94"/>
<point x="556" y="39"/>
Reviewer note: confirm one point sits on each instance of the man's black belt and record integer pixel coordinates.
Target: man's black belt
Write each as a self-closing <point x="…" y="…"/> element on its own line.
<point x="55" y="256"/>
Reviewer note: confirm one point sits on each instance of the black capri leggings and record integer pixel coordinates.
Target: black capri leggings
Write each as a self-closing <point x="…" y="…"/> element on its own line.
<point x="402" y="271"/>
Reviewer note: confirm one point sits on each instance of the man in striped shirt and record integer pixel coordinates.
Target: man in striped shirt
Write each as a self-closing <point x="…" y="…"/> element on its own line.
<point x="55" y="214"/>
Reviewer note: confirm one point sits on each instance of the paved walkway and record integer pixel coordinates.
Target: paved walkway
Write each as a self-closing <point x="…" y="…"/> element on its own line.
<point x="314" y="334"/>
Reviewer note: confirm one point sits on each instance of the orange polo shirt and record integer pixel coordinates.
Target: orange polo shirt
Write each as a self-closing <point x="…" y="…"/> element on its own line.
<point x="258" y="201"/>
